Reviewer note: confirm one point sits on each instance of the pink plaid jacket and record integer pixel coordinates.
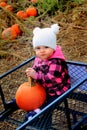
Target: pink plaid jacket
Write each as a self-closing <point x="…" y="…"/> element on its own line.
<point x="53" y="73"/>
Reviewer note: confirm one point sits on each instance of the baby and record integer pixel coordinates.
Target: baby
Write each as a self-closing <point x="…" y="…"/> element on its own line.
<point x="50" y="68"/>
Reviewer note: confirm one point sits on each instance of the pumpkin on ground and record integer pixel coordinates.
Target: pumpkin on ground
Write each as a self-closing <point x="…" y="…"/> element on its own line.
<point x="21" y="14"/>
<point x="34" y="1"/>
<point x="9" y="34"/>
<point x="30" y="97"/>
<point x="31" y="11"/>
<point x="3" y="4"/>
<point x="9" y="8"/>
<point x="16" y="28"/>
<point x="3" y="0"/>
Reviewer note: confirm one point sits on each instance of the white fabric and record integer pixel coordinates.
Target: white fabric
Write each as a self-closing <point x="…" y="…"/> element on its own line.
<point x="45" y="36"/>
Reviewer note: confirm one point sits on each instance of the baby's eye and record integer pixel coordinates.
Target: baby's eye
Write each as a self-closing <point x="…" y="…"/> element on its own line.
<point x="46" y="47"/>
<point x="37" y="48"/>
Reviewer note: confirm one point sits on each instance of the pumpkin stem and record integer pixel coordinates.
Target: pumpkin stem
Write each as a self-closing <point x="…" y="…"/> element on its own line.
<point x="29" y="80"/>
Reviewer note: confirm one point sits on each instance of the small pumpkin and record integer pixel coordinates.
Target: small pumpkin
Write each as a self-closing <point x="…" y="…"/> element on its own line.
<point x="9" y="34"/>
<point x="30" y="97"/>
<point x="16" y="28"/>
<point x="9" y="7"/>
<point x="34" y="1"/>
<point x="3" y="0"/>
<point x="31" y="11"/>
<point x="21" y="14"/>
<point x="3" y="4"/>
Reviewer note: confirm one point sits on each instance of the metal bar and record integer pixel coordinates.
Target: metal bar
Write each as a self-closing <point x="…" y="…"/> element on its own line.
<point x="2" y="97"/>
<point x="9" y="108"/>
<point x="17" y="67"/>
<point x="67" y="114"/>
<point x="76" y="63"/>
<point x="78" y="124"/>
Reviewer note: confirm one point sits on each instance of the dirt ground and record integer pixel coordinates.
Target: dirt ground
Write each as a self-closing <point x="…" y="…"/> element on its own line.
<point x="72" y="38"/>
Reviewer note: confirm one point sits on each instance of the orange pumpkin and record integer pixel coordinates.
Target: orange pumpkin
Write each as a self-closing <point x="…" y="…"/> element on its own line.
<point x="21" y="14"/>
<point x="3" y="4"/>
<point x="9" y="7"/>
<point x="30" y="97"/>
<point x="31" y="11"/>
<point x="16" y="28"/>
<point x="34" y="1"/>
<point x="9" y="34"/>
<point x="3" y="0"/>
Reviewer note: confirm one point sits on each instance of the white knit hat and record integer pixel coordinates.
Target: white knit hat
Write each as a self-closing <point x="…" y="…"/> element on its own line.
<point x="45" y="36"/>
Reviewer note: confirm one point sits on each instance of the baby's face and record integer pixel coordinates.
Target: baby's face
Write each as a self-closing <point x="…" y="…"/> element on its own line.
<point x="43" y="52"/>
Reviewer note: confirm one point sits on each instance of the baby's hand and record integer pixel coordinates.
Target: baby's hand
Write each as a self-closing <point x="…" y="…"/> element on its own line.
<point x="30" y="72"/>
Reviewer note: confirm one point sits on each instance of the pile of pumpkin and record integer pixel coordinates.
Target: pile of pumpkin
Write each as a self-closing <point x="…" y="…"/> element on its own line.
<point x="12" y="32"/>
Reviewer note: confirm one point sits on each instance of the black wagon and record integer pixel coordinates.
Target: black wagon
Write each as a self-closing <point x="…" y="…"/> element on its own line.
<point x="67" y="112"/>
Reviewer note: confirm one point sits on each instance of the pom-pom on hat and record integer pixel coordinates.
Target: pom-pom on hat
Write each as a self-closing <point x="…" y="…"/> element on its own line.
<point x="45" y="36"/>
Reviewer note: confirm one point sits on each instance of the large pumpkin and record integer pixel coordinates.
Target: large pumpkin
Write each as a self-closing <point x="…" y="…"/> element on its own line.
<point x="30" y="97"/>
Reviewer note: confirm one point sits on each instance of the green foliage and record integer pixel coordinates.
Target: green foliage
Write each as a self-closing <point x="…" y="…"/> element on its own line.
<point x="78" y="1"/>
<point x="47" y="6"/>
<point x="51" y="6"/>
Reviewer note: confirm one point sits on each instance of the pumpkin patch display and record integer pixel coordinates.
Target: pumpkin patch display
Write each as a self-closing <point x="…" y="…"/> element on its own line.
<point x="31" y="11"/>
<point x="30" y="97"/>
